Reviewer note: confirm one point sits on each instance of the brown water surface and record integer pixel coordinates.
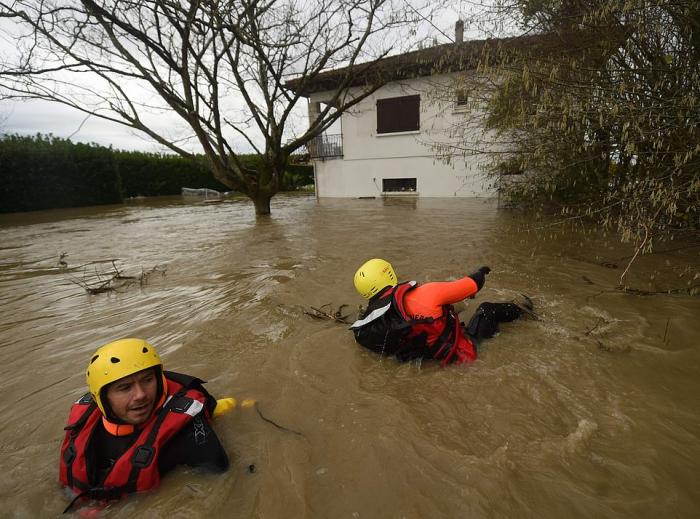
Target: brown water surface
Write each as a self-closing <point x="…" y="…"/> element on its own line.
<point x="591" y="412"/>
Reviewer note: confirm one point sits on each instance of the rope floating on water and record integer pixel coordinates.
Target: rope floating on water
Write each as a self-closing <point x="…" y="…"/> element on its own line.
<point x="280" y="427"/>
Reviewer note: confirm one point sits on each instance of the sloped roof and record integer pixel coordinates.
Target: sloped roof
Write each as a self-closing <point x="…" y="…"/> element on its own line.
<point x="449" y="57"/>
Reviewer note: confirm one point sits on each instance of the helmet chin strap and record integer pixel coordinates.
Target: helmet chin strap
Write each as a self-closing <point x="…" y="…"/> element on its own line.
<point x="125" y="429"/>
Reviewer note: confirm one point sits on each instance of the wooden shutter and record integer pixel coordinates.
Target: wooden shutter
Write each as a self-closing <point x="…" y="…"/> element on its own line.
<point x="398" y="114"/>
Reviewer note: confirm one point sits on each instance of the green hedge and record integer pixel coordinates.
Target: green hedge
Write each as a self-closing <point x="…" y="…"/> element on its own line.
<point x="46" y="172"/>
<point x="148" y="174"/>
<point x="297" y="176"/>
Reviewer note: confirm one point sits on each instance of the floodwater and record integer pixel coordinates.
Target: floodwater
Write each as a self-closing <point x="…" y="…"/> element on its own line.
<point x="591" y="412"/>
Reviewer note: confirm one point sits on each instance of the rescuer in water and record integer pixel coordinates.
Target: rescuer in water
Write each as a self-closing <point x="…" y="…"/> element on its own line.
<point x="410" y="320"/>
<point x="136" y="424"/>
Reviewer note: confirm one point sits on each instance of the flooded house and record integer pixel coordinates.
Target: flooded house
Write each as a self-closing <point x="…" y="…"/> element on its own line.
<point x="407" y="138"/>
<point x="386" y="144"/>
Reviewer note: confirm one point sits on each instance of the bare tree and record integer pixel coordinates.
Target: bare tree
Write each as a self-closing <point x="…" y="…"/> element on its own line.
<point x="220" y="66"/>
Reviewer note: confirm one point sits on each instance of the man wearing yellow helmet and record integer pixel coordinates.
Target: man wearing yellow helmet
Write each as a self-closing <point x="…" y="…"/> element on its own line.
<point x="411" y="321"/>
<point x="136" y="423"/>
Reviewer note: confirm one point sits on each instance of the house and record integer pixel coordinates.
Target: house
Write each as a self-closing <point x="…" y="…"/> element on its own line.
<point x="384" y="145"/>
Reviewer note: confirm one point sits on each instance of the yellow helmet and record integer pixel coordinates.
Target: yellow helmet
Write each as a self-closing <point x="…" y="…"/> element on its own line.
<point x="373" y="276"/>
<point x="117" y="360"/>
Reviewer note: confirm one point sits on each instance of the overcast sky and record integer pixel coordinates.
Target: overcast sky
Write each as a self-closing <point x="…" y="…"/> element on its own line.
<point x="32" y="117"/>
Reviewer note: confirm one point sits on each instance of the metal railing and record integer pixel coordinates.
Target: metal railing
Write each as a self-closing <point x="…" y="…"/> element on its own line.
<point x="325" y="146"/>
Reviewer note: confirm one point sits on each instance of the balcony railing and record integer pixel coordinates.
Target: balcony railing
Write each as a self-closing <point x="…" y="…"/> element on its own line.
<point x="326" y="146"/>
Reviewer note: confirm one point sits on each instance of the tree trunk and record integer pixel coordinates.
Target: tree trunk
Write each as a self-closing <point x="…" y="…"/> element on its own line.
<point x="262" y="204"/>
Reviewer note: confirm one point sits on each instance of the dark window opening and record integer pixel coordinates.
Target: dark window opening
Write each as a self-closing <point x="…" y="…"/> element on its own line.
<point x="398" y="185"/>
<point x="462" y="97"/>
<point x="398" y="114"/>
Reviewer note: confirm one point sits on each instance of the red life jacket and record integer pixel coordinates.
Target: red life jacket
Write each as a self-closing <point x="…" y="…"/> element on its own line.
<point x="387" y="328"/>
<point x="137" y="469"/>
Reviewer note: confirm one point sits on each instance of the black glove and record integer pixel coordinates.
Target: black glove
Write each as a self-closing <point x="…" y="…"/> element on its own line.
<point x="479" y="276"/>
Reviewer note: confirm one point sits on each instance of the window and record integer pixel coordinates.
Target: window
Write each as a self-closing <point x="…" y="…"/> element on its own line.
<point x="398" y="185"/>
<point x="462" y="98"/>
<point x="398" y="114"/>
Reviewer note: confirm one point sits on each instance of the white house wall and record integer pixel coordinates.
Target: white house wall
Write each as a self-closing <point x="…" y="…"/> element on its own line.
<point x="369" y="157"/>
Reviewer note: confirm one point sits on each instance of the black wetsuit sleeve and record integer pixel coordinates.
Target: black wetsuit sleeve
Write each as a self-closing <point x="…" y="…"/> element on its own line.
<point x="195" y="445"/>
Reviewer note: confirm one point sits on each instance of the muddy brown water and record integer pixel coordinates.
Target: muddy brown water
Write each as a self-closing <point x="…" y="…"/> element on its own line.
<point x="591" y="412"/>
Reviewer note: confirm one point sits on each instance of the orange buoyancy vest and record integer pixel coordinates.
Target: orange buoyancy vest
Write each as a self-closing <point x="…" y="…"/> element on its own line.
<point x="137" y="469"/>
<point x="387" y="328"/>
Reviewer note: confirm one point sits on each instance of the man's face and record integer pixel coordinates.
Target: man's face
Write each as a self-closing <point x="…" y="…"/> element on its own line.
<point x="132" y="398"/>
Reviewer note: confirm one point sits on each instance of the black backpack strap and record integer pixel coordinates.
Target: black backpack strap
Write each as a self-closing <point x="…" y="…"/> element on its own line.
<point x="186" y="380"/>
<point x="143" y="454"/>
<point x="190" y="382"/>
<point x="446" y="340"/>
<point x="86" y="399"/>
